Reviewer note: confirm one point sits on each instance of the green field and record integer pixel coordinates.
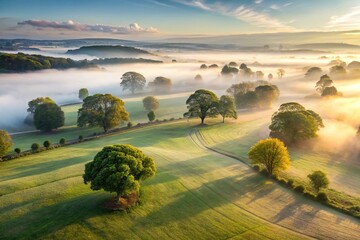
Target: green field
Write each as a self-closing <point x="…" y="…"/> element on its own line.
<point x="173" y="107"/>
<point x="196" y="194"/>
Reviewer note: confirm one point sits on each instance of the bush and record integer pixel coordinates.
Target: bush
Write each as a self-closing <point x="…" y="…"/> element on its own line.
<point x="47" y="144"/>
<point x="290" y="183"/>
<point x="256" y="168"/>
<point x="17" y="150"/>
<point x="172" y="119"/>
<point x="300" y="189"/>
<point x="130" y="124"/>
<point x="81" y="138"/>
<point x="35" y="147"/>
<point x="62" y="141"/>
<point x="322" y="197"/>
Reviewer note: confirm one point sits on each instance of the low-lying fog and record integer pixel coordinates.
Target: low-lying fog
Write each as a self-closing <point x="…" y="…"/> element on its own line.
<point x="341" y="115"/>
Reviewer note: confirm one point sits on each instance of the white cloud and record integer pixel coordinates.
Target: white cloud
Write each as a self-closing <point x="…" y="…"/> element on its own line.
<point x="75" y="26"/>
<point x="277" y="7"/>
<point x="349" y="21"/>
<point x="241" y="12"/>
<point x="258" y="1"/>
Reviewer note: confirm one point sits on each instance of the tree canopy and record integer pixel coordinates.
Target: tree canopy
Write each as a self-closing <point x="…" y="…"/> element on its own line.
<point x="119" y="169"/>
<point x="132" y="81"/>
<point x="319" y="180"/>
<point x="313" y="72"/>
<point x="33" y="104"/>
<point x="324" y="82"/>
<point x="266" y="95"/>
<point x="102" y="110"/>
<point x="161" y="84"/>
<point x="83" y="93"/>
<point x="151" y="103"/>
<point x="203" y="103"/>
<point x="5" y="142"/>
<point x="293" y="123"/>
<point x="226" y="107"/>
<point x="270" y="153"/>
<point x="48" y="116"/>
<point x="151" y="116"/>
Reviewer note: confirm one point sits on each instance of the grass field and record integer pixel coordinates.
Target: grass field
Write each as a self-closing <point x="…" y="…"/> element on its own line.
<point x="173" y="107"/>
<point x="238" y="136"/>
<point x="196" y="194"/>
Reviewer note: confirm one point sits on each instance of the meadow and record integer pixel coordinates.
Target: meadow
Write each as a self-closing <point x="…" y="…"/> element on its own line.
<point x="196" y="194"/>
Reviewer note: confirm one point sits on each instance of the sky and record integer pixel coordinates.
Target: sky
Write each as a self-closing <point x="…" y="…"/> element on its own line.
<point x="156" y="19"/>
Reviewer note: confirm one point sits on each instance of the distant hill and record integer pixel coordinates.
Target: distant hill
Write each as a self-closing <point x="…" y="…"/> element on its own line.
<point x="110" y="51"/>
<point x="328" y="46"/>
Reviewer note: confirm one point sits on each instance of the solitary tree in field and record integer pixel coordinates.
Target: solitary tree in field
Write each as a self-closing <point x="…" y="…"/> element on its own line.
<point x="161" y="84"/>
<point x="151" y="103"/>
<point x="132" y="81"/>
<point x="293" y="123"/>
<point x="226" y="107"/>
<point x="272" y="154"/>
<point x="151" y="116"/>
<point x="5" y="142"/>
<point x="83" y="93"/>
<point x="319" y="180"/>
<point x="103" y="110"/>
<point x="324" y="82"/>
<point x="48" y="116"/>
<point x="119" y="169"/>
<point x="203" y="103"/>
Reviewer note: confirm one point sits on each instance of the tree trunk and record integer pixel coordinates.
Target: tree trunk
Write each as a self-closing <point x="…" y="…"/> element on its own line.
<point x="223" y="119"/>
<point x="202" y="120"/>
<point x="118" y="197"/>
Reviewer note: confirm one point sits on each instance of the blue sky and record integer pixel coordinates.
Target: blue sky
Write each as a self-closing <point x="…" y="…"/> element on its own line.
<point x="164" y="18"/>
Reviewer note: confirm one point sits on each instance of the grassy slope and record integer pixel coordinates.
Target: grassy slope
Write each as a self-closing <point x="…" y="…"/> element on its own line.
<point x="172" y="107"/>
<point x="238" y="136"/>
<point x="196" y="194"/>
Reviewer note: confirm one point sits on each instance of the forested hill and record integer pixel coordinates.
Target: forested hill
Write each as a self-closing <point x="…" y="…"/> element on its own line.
<point x="109" y="51"/>
<point x="20" y="62"/>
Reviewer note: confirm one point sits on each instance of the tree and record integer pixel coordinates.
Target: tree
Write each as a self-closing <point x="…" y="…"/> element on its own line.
<point x="17" y="150"/>
<point x="313" y="73"/>
<point x="48" y="116"/>
<point x="228" y="71"/>
<point x="151" y="116"/>
<point x="233" y="64"/>
<point x="33" y="104"/>
<point x="240" y="88"/>
<point x="213" y="66"/>
<point x="203" y="66"/>
<point x="132" y="81"/>
<point x="102" y="110"/>
<point x="270" y="77"/>
<point x="354" y="65"/>
<point x="203" y="103"/>
<point x="35" y="147"/>
<point x="226" y="107"/>
<point x="330" y="91"/>
<point x="266" y="95"/>
<point x="324" y="82"/>
<point x="5" y="142"/>
<point x="151" y="103"/>
<point x="319" y="180"/>
<point x="259" y="75"/>
<point x="280" y="73"/>
<point x="47" y="144"/>
<point x="161" y="84"/>
<point x="62" y="141"/>
<point x="83" y="93"/>
<point x="293" y="123"/>
<point x="248" y="100"/>
<point x="198" y="77"/>
<point x="270" y="153"/>
<point x="119" y="169"/>
<point x="337" y="71"/>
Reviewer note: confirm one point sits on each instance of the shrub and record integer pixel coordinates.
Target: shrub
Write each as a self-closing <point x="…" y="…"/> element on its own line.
<point x="290" y="183"/>
<point x="256" y="168"/>
<point x="47" y="144"/>
<point x="130" y="124"/>
<point x="62" y="141"/>
<point x="322" y="197"/>
<point x="81" y="138"/>
<point x="17" y="150"/>
<point x="172" y="119"/>
<point x="300" y="189"/>
<point x="35" y="147"/>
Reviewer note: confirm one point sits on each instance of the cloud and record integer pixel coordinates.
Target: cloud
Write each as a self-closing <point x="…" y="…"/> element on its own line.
<point x="277" y="7"/>
<point x="75" y="26"/>
<point x="258" y="1"/>
<point x="241" y="12"/>
<point x="349" y="21"/>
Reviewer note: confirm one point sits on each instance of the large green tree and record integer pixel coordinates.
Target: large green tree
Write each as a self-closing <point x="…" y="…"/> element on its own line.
<point x="5" y="142"/>
<point x="119" y="169"/>
<point x="203" y="103"/>
<point x="226" y="107"/>
<point x="132" y="81"/>
<point x="151" y="103"/>
<point x="272" y="154"/>
<point x="319" y="180"/>
<point x="103" y="110"/>
<point x="33" y="104"/>
<point x="48" y="116"/>
<point x="293" y="123"/>
<point x="83" y="93"/>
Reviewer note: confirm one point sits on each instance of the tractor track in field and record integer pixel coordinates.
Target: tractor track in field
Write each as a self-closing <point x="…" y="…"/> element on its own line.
<point x="196" y="137"/>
